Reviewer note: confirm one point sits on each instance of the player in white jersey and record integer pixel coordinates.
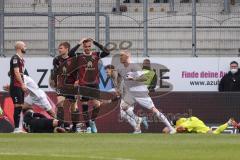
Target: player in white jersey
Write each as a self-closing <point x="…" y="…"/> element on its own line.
<point x="135" y="91"/>
<point x="118" y="88"/>
<point x="36" y="96"/>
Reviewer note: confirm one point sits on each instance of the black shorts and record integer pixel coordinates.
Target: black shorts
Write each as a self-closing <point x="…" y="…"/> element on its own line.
<point x="41" y="125"/>
<point x="71" y="98"/>
<point x="89" y="92"/>
<point x="16" y="94"/>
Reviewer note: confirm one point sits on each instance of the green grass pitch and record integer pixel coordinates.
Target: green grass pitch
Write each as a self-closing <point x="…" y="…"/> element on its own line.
<point x="118" y="147"/>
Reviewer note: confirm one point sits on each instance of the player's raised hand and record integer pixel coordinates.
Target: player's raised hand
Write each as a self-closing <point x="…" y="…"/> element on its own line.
<point x="91" y="39"/>
<point x="82" y="40"/>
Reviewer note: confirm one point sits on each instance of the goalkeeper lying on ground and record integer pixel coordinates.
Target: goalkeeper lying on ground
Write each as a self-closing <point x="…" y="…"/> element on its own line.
<point x="195" y="125"/>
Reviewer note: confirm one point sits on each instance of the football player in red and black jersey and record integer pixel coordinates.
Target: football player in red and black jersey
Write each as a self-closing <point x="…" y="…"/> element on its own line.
<point x="88" y="76"/>
<point x="65" y="54"/>
<point x="17" y="86"/>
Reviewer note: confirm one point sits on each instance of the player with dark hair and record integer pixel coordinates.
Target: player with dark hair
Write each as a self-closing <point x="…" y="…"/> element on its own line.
<point x="230" y="82"/>
<point x="150" y="74"/>
<point x="38" y="123"/>
<point x="110" y="71"/>
<point x="195" y="125"/>
<point x="17" y="86"/>
<point x="65" y="54"/>
<point x="88" y="76"/>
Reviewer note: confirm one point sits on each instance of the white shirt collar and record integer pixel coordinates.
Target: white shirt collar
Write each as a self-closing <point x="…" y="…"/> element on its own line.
<point x="19" y="56"/>
<point x="88" y="54"/>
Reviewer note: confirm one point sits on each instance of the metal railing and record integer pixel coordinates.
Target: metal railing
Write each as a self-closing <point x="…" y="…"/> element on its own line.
<point x="173" y="28"/>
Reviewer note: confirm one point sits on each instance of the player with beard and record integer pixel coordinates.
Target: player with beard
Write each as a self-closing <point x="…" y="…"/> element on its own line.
<point x="88" y="78"/>
<point x="17" y="86"/>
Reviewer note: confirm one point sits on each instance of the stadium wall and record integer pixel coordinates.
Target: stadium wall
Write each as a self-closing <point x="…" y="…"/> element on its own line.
<point x="211" y="107"/>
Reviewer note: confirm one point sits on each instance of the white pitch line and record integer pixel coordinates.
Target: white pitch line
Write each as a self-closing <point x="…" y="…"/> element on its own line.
<point x="67" y="156"/>
<point x="118" y="158"/>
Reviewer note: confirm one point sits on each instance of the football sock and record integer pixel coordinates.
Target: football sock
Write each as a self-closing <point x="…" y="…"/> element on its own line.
<point x="95" y="112"/>
<point x="220" y="129"/>
<point x="60" y="113"/>
<point x="164" y="119"/>
<point x="132" y="115"/>
<point x="75" y="118"/>
<point x="17" y="112"/>
<point x="130" y="120"/>
<point x="85" y="114"/>
<point x="21" y="121"/>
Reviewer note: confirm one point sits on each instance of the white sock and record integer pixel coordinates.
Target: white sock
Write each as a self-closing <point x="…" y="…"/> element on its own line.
<point x="21" y="121"/>
<point x="131" y="114"/>
<point x="130" y="120"/>
<point x="164" y="120"/>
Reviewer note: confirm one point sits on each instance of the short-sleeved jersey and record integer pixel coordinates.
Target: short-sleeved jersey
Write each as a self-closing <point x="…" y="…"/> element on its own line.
<point x="194" y="125"/>
<point x="16" y="62"/>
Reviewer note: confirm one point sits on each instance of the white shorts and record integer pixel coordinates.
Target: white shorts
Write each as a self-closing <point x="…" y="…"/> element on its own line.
<point x="130" y="101"/>
<point x="145" y="102"/>
<point x="42" y="102"/>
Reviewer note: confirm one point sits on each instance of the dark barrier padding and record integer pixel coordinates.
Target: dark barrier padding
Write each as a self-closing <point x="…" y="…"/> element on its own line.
<point x="5" y="126"/>
<point x="211" y="107"/>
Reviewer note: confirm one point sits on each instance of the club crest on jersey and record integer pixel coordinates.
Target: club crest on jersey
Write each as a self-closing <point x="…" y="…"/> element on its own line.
<point x="90" y="66"/>
<point x="64" y="70"/>
<point x="15" y="61"/>
<point x="69" y="62"/>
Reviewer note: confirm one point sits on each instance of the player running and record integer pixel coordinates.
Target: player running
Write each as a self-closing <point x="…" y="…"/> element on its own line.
<point x="195" y="125"/>
<point x="134" y="91"/>
<point x="111" y="73"/>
